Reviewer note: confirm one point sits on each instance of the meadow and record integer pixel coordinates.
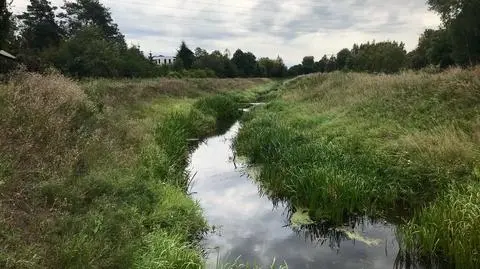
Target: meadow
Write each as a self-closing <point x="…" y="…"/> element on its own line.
<point x="403" y="148"/>
<point x="92" y="172"/>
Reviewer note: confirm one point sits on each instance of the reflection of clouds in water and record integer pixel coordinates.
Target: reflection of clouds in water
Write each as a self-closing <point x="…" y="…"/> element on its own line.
<point x="250" y="227"/>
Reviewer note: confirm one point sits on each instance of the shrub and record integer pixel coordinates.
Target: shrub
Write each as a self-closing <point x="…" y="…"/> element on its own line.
<point x="222" y="107"/>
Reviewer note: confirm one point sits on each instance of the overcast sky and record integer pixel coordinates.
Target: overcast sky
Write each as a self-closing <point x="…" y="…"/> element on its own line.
<point x="289" y="28"/>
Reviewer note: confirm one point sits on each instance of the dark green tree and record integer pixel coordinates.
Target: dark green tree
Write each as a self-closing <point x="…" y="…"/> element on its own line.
<point x="39" y="30"/>
<point x="216" y="61"/>
<point x="199" y="52"/>
<point x="5" y="23"/>
<point x="8" y="41"/>
<point x="186" y="56"/>
<point x="344" y="58"/>
<point x="331" y="64"/>
<point x="321" y="65"/>
<point x="295" y="70"/>
<point x="308" y="64"/>
<point x="81" y="13"/>
<point x="460" y="18"/>
<point x="382" y="57"/>
<point x="239" y="61"/>
<point x="134" y="64"/>
<point x="89" y="54"/>
<point x="272" y="68"/>
<point x="245" y="62"/>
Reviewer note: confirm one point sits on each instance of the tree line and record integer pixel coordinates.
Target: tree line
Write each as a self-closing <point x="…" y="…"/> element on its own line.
<point x="81" y="39"/>
<point x="455" y="43"/>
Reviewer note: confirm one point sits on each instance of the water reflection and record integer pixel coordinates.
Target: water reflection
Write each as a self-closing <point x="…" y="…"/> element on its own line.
<point x="248" y="225"/>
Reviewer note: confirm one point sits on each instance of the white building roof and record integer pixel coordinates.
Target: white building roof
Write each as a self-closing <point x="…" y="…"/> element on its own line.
<point x="163" y="57"/>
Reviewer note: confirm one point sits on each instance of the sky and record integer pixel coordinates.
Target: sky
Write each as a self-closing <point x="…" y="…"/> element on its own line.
<point x="291" y="29"/>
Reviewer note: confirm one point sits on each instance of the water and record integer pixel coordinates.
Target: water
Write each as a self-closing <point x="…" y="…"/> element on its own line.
<point x="249" y="226"/>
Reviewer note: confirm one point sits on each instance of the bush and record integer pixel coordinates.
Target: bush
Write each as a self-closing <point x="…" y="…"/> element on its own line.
<point x="222" y="107"/>
<point x="44" y="123"/>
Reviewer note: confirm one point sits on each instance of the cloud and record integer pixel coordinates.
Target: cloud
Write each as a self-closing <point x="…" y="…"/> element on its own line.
<point x="289" y="28"/>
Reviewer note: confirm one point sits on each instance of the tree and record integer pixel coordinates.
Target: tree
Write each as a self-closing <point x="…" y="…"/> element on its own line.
<point x="215" y="61"/>
<point x="199" y="52"/>
<point x="82" y="13"/>
<point x="186" y="56"/>
<point x="295" y="70"/>
<point x="343" y="59"/>
<point x="251" y="66"/>
<point x="460" y="18"/>
<point x="39" y="29"/>
<point x="5" y="23"/>
<point x="434" y="47"/>
<point x="383" y="57"/>
<point x="7" y="36"/>
<point x="134" y="64"/>
<point x="272" y="68"/>
<point x="308" y="64"/>
<point x="321" y="65"/>
<point x="331" y="64"/>
<point x="88" y="54"/>
<point x="245" y="62"/>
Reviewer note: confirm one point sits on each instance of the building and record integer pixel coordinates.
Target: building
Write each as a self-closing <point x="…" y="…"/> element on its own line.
<point x="164" y="60"/>
<point x="6" y="55"/>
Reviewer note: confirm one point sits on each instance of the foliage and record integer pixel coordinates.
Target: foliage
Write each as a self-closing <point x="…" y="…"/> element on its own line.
<point x="88" y="53"/>
<point x="463" y="28"/>
<point x="39" y="28"/>
<point x="82" y="13"/>
<point x="295" y="70"/>
<point x="345" y="144"/>
<point x="5" y="22"/>
<point x="308" y="64"/>
<point x="8" y="40"/>
<point x="186" y="56"/>
<point x="448" y="227"/>
<point x="246" y="63"/>
<point x="434" y="48"/>
<point x="344" y="58"/>
<point x="383" y="57"/>
<point x="93" y="174"/>
<point x="272" y="68"/>
<point x="222" y="107"/>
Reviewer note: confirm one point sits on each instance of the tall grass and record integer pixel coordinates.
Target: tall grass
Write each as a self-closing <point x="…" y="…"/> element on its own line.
<point x="346" y="144"/>
<point x="92" y="174"/>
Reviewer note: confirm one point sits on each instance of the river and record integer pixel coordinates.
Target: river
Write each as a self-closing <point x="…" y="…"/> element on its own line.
<point x="248" y="226"/>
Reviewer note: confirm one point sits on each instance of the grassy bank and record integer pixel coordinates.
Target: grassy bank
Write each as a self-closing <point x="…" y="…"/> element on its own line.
<point x="92" y="173"/>
<point x="403" y="147"/>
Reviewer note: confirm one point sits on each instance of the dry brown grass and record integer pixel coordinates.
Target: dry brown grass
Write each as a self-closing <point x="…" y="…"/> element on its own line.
<point x="42" y="122"/>
<point x="114" y="92"/>
<point x="339" y="89"/>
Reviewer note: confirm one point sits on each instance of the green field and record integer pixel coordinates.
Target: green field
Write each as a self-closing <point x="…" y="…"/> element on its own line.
<point x="405" y="148"/>
<point x="92" y="173"/>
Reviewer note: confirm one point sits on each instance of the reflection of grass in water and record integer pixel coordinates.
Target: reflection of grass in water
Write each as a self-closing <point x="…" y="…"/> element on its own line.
<point x="355" y="144"/>
<point x="237" y="264"/>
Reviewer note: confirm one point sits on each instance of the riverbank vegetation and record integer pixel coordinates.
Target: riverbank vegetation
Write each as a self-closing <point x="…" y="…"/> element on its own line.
<point x="400" y="147"/>
<point x="92" y="173"/>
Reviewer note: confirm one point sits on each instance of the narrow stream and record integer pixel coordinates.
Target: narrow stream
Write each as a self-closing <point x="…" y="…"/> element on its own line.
<point x="249" y="226"/>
